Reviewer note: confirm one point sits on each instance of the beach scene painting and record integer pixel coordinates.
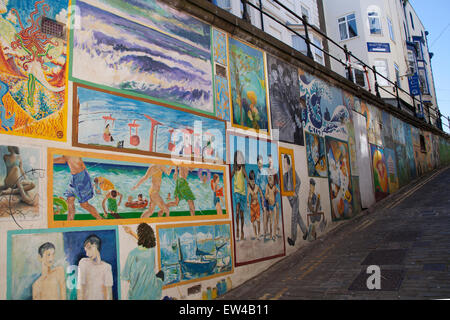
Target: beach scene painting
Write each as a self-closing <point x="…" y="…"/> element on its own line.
<point x="95" y="189"/>
<point x="63" y="264"/>
<point x="33" y="49"/>
<point x="121" y="123"/>
<point x="144" y="48"/>
<point x="190" y="253"/>
<point x="21" y="174"/>
<point x="256" y="199"/>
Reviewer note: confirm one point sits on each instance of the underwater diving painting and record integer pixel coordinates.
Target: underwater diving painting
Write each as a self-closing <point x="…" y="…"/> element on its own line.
<point x="190" y="253"/>
<point x="33" y="45"/>
<point x="248" y="87"/>
<point x="121" y="123"/>
<point x="95" y="189"/>
<point x="151" y="50"/>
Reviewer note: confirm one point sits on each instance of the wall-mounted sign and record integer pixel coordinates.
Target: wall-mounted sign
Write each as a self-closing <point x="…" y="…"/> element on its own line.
<point x="414" y="86"/>
<point x="378" y="47"/>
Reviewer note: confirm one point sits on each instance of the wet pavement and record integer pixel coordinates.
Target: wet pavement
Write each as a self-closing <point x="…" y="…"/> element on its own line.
<point x="407" y="235"/>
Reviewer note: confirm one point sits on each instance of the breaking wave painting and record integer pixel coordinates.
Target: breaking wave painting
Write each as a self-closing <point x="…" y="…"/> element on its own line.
<point x="166" y="55"/>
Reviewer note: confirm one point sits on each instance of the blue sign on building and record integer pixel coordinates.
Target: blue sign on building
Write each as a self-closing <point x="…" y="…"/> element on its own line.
<point x="378" y="47"/>
<point x="414" y="86"/>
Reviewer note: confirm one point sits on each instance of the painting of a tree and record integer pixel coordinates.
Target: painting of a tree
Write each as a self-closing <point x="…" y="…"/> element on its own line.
<point x="248" y="86"/>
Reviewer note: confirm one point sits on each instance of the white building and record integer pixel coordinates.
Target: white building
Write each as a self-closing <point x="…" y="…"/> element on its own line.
<point x="312" y="9"/>
<point x="389" y="35"/>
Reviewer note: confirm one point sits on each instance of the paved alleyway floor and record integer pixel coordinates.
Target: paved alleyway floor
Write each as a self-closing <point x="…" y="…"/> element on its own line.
<point x="407" y="235"/>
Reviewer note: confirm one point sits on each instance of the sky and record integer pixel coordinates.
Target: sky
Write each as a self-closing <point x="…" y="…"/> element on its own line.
<point x="435" y="17"/>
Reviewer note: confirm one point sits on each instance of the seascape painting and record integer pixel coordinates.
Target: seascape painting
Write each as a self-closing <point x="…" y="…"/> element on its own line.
<point x="194" y="252"/>
<point x="165" y="55"/>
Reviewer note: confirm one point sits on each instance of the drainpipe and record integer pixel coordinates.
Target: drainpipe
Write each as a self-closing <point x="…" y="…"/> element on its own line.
<point x="261" y="14"/>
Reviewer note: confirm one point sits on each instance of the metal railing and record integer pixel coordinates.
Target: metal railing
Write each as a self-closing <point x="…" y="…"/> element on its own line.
<point x="348" y="66"/>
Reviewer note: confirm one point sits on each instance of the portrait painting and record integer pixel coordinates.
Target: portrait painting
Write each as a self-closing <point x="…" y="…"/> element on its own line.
<point x="63" y="264"/>
<point x="287" y="171"/>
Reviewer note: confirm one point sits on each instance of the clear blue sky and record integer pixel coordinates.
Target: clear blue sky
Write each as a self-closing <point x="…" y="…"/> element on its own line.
<point x="435" y="16"/>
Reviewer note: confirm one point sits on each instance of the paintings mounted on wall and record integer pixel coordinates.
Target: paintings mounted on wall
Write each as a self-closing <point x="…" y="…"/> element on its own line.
<point x="63" y="264"/>
<point x="150" y="50"/>
<point x="393" y="173"/>
<point x="249" y="101"/>
<point x="380" y="172"/>
<point x="285" y="107"/>
<point x="220" y="53"/>
<point x="287" y="171"/>
<point x="340" y="179"/>
<point x="119" y="122"/>
<point x="103" y="189"/>
<point x="33" y="49"/>
<point x="189" y="253"/>
<point x="324" y="112"/>
<point x="315" y="155"/>
<point x="21" y="186"/>
<point x="256" y="199"/>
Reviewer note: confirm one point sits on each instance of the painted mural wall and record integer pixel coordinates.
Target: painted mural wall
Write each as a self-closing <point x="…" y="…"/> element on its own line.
<point x="150" y="155"/>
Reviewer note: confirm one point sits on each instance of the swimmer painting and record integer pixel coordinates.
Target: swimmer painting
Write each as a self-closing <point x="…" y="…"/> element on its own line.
<point x="20" y="171"/>
<point x="154" y="179"/>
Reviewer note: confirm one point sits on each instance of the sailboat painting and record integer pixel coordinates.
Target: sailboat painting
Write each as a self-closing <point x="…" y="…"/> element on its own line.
<point x="194" y="252"/>
<point x="121" y="123"/>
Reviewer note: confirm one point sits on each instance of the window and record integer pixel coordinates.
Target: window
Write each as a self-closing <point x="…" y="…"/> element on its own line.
<point x="412" y="20"/>
<point x="224" y="4"/>
<point x="374" y="22"/>
<point x="318" y="54"/>
<point x="391" y="29"/>
<point x="423" y="81"/>
<point x="418" y="50"/>
<point x="347" y="27"/>
<point x="359" y="77"/>
<point x="305" y="12"/>
<point x="411" y="62"/>
<point x="382" y="68"/>
<point x="299" y="44"/>
<point x="397" y="75"/>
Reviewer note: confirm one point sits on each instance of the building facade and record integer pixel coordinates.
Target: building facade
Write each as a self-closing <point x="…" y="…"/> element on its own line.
<point x="312" y="9"/>
<point x="389" y="36"/>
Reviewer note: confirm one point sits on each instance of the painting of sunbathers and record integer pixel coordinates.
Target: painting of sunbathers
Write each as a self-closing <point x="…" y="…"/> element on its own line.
<point x="340" y="180"/>
<point x="256" y="199"/>
<point x="190" y="253"/>
<point x="33" y="45"/>
<point x="248" y="87"/>
<point x="115" y="121"/>
<point x="21" y="174"/>
<point x="94" y="189"/>
<point x="63" y="264"/>
<point x="144" y="48"/>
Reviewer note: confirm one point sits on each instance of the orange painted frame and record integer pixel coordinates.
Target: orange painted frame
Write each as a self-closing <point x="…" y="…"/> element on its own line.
<point x="84" y="223"/>
<point x="289" y="152"/>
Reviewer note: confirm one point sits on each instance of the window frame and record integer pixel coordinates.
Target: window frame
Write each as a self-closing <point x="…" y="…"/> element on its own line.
<point x="347" y="28"/>
<point x="377" y="17"/>
<point x="381" y="81"/>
